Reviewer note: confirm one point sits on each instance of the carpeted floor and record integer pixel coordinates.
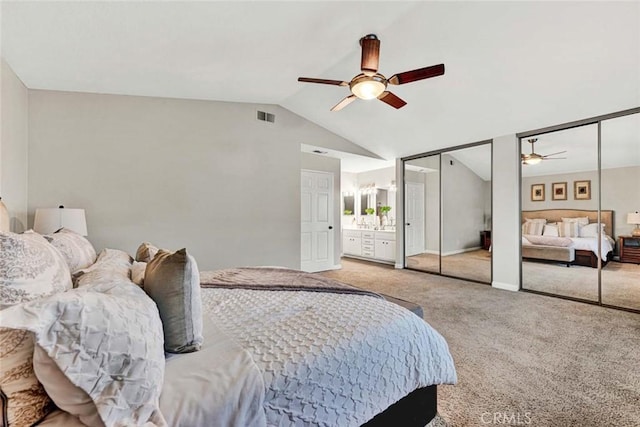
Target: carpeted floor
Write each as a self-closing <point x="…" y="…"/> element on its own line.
<point x="620" y="281"/>
<point x="522" y="359"/>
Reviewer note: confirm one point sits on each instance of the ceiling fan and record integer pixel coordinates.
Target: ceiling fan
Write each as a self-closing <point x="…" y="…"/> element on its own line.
<point x="535" y="158"/>
<point x="370" y="84"/>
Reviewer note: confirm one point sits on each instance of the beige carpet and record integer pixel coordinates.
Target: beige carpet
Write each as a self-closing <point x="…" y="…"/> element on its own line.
<point x="620" y="281"/>
<point x="520" y="356"/>
<point x="473" y="265"/>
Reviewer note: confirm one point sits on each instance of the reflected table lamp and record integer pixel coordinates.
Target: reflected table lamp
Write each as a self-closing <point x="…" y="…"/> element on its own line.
<point x="634" y="219"/>
<point x="49" y="220"/>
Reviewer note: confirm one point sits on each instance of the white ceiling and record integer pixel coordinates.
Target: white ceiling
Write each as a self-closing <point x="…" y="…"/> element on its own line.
<point x="510" y="66"/>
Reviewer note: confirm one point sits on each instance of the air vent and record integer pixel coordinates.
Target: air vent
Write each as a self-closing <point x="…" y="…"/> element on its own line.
<point x="266" y="117"/>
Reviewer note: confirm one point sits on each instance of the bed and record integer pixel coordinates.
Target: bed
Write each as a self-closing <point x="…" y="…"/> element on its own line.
<point x="276" y="347"/>
<point x="581" y="250"/>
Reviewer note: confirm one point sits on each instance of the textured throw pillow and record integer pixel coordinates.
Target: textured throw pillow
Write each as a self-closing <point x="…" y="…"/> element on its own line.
<point x="76" y="249"/>
<point x="112" y="264"/>
<point x="107" y="340"/>
<point x="550" y="230"/>
<point x="30" y="268"/>
<point x="582" y="220"/>
<point x="569" y="229"/>
<point x="591" y="230"/>
<point x="146" y="251"/>
<point x="24" y="400"/>
<point x="172" y="280"/>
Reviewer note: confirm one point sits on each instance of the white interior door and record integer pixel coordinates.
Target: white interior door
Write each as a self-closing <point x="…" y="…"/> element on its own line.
<point x="414" y="216"/>
<point x="317" y="231"/>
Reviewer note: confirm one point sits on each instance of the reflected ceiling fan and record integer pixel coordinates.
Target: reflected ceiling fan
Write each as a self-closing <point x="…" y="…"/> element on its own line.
<point x="370" y="84"/>
<point x="535" y="158"/>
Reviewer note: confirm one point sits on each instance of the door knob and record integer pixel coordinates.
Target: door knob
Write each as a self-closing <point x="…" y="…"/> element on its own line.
<point x="330" y="227"/>
<point x="408" y="223"/>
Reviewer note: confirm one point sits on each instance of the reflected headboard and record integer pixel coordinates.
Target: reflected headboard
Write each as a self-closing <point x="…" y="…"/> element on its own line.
<point x="556" y="215"/>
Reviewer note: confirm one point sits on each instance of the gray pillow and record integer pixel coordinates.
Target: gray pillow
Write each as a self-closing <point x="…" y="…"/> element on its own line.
<point x="172" y="280"/>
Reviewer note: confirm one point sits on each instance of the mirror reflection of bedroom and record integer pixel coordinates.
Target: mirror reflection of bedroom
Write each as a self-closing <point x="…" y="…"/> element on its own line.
<point x="448" y="213"/>
<point x="580" y="195"/>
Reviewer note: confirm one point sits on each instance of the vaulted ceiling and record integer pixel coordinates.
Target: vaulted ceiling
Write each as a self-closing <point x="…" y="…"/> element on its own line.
<point x="510" y="66"/>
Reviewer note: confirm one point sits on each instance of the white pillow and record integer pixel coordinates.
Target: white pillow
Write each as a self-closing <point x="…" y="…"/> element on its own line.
<point x="591" y="230"/>
<point x="76" y="249"/>
<point x="107" y="340"/>
<point x="551" y="230"/>
<point x="582" y="220"/>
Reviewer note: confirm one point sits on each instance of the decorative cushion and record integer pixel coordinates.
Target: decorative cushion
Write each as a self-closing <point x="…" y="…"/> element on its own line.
<point x="76" y="249"/>
<point x="591" y="230"/>
<point x="569" y="229"/>
<point x="582" y="220"/>
<point x="550" y="230"/>
<point x="146" y="251"/>
<point x="24" y="400"/>
<point x="172" y="280"/>
<point x="137" y="272"/>
<point x="107" y="340"/>
<point x="534" y="227"/>
<point x="112" y="264"/>
<point x="30" y="268"/>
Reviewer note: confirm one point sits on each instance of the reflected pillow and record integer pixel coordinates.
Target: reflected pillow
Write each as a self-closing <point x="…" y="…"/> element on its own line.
<point x="551" y="230"/>
<point x="582" y="220"/>
<point x="591" y="230"/>
<point x="569" y="229"/>
<point x="533" y="227"/>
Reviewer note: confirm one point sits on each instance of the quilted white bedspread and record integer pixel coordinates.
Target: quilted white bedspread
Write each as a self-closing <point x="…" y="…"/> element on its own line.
<point x="329" y="359"/>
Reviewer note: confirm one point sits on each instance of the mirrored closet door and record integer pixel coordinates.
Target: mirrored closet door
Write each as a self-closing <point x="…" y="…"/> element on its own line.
<point x="422" y="213"/>
<point x="448" y="212"/>
<point x="559" y="196"/>
<point x="580" y="204"/>
<point x="620" y="183"/>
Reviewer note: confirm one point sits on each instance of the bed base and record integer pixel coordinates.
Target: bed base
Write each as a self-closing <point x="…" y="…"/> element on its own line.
<point x="589" y="259"/>
<point x="416" y="409"/>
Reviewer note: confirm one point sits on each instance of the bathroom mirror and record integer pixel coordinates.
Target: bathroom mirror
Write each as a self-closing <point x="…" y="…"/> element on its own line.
<point x="349" y="203"/>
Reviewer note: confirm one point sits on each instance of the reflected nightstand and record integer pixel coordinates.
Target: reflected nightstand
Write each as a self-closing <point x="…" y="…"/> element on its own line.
<point x="629" y="249"/>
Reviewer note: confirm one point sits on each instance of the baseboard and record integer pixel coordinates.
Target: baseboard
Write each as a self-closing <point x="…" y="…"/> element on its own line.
<point x="336" y="267"/>
<point x="505" y="286"/>
<point x="461" y="251"/>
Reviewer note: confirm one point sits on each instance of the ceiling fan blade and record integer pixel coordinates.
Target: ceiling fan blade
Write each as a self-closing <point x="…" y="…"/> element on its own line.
<point x="323" y="81"/>
<point x="370" y="54"/>
<point x="554" y="158"/>
<point x="419" y="74"/>
<point x="346" y="101"/>
<point x="391" y="99"/>
<point x="553" y="154"/>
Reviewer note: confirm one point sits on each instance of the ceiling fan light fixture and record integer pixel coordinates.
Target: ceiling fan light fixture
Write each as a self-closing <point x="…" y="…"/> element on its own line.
<point x="532" y="160"/>
<point x="368" y="87"/>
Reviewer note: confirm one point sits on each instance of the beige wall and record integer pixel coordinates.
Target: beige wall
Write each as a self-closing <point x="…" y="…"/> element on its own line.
<point x="14" y="111"/>
<point x="620" y="193"/>
<point x="179" y="173"/>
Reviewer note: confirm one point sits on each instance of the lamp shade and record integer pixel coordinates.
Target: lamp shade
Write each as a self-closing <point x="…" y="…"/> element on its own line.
<point x="49" y="220"/>
<point x="633" y="218"/>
